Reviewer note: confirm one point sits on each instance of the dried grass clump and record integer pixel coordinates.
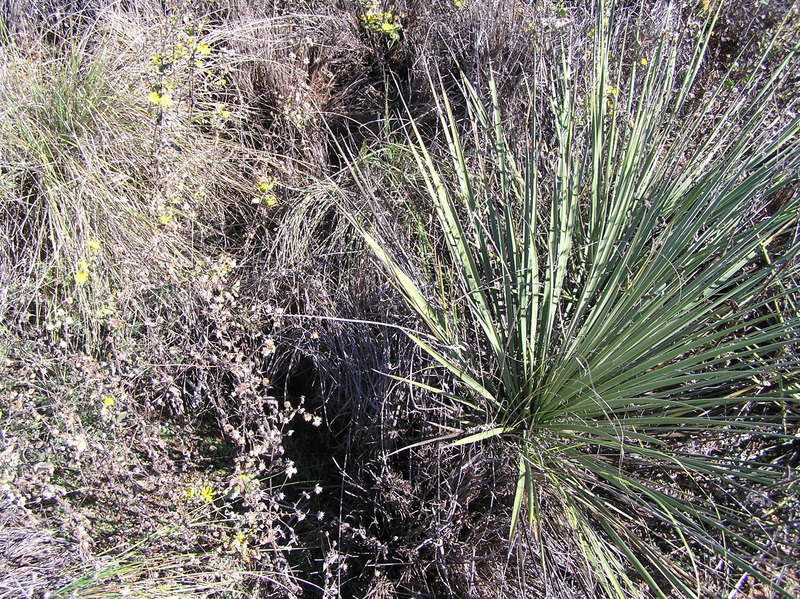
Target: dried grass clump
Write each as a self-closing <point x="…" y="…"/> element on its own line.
<point x="33" y="559"/>
<point x="152" y="440"/>
<point x="132" y="497"/>
<point x="109" y="199"/>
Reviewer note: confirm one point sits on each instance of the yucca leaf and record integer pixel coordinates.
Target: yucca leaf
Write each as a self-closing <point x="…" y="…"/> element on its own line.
<point x="481" y="436"/>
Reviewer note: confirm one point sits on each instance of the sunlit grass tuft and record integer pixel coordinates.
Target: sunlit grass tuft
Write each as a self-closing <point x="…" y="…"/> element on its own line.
<point x="109" y="200"/>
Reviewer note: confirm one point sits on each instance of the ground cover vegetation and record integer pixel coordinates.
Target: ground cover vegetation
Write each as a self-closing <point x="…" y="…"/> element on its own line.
<point x="413" y="299"/>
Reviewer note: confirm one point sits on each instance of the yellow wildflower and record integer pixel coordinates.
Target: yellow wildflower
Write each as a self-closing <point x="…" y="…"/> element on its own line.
<point x="165" y="219"/>
<point x="93" y="244"/>
<point x="203" y="49"/>
<point x="207" y="494"/>
<point x="81" y="275"/>
<point x="108" y="401"/>
<point x="265" y="183"/>
<point x="162" y="100"/>
<point x="391" y="29"/>
<point x="222" y="111"/>
<point x="166" y="101"/>
<point x="643" y="61"/>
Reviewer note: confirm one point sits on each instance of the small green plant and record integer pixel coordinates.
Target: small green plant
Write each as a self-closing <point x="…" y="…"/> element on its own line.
<point x="182" y="65"/>
<point x="387" y="23"/>
<point x="266" y="191"/>
<point x="621" y="308"/>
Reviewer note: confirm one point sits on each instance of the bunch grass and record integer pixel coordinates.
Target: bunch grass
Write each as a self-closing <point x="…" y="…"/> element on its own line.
<point x="109" y="201"/>
<point x="619" y="304"/>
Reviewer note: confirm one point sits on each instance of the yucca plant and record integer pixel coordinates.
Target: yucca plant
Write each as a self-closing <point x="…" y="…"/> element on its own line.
<point x="620" y="308"/>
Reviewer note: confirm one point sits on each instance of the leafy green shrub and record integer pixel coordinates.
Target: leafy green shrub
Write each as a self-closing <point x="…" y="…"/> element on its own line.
<point x="620" y="307"/>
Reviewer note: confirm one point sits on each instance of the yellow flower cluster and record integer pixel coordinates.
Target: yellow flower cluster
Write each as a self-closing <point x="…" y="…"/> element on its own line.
<point x="266" y="187"/>
<point x="163" y="100"/>
<point x="206" y="493"/>
<point x="385" y="22"/>
<point x="81" y="275"/>
<point x="192" y="50"/>
<point x="221" y="110"/>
